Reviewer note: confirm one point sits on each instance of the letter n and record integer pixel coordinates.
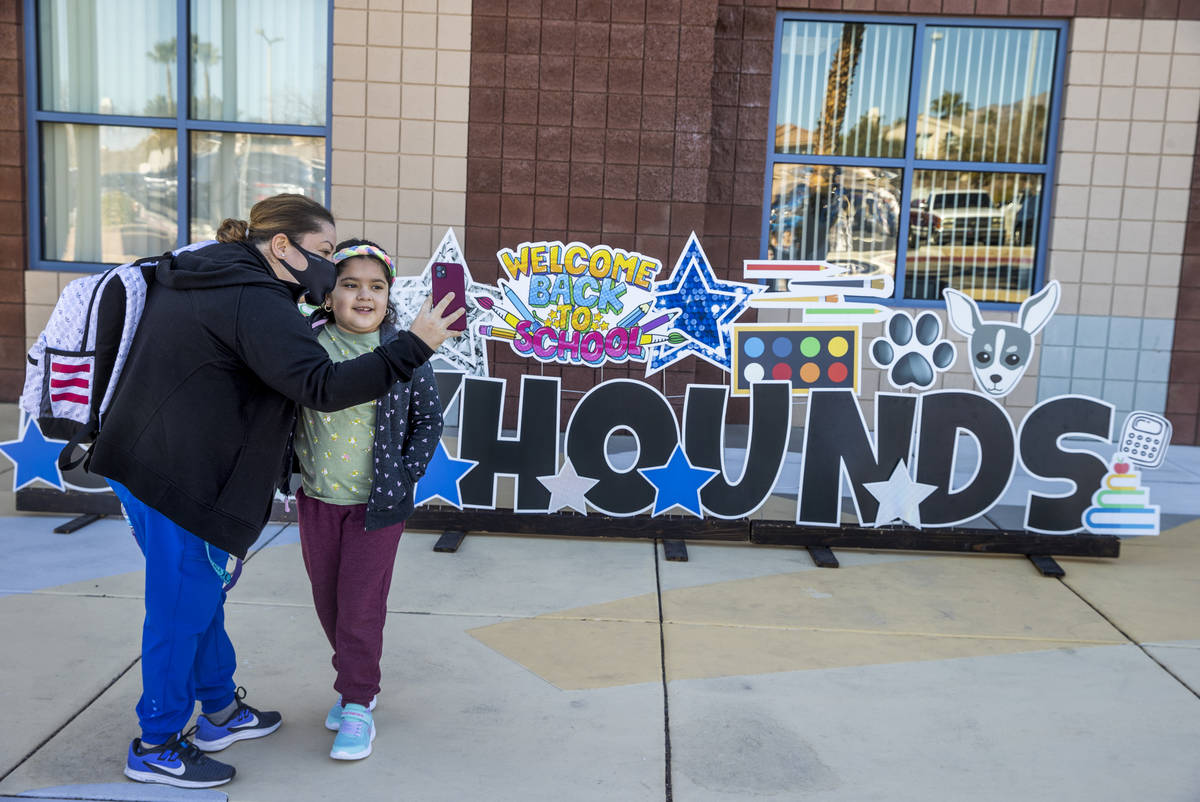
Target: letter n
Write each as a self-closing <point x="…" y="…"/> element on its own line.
<point x="837" y="442"/>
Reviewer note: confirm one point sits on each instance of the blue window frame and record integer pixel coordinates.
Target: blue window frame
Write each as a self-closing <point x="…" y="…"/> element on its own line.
<point x="133" y="148"/>
<point x="922" y="148"/>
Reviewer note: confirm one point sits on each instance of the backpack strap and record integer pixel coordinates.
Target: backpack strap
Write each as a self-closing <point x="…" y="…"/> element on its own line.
<point x="149" y="264"/>
<point x="65" y="462"/>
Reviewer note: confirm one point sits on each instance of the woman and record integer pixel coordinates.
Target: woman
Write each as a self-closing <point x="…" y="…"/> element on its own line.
<point x="196" y="440"/>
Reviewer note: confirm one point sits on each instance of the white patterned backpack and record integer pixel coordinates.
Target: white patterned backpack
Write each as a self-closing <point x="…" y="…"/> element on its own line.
<point x="73" y="369"/>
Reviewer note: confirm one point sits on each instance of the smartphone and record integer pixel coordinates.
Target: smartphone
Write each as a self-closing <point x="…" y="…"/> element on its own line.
<point x="449" y="277"/>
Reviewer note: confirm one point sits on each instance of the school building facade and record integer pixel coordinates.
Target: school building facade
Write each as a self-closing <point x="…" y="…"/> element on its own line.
<point x="986" y="145"/>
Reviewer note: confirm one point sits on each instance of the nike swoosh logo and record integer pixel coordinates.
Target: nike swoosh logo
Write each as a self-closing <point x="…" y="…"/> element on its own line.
<point x="253" y="722"/>
<point x="176" y="770"/>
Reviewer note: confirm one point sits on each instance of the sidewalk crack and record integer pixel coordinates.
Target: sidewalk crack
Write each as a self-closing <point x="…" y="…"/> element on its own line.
<point x="662" y="656"/>
<point x="1127" y="637"/>
<point x="76" y="715"/>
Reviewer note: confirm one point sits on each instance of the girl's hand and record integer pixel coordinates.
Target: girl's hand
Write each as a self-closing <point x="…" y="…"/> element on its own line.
<point x="431" y="327"/>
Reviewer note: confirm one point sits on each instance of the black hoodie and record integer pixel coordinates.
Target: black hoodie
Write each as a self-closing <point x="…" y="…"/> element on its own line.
<point x="200" y="422"/>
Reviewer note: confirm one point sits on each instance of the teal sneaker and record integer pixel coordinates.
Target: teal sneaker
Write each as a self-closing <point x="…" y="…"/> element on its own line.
<point x="353" y="741"/>
<point x="333" y="721"/>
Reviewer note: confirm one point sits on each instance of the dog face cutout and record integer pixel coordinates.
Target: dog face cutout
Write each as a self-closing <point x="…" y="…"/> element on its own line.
<point x="1000" y="352"/>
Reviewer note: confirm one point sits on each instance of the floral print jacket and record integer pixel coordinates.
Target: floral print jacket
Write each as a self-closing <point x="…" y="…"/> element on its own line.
<point x="408" y="425"/>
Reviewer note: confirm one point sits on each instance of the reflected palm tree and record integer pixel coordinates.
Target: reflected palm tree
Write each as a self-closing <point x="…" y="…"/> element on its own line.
<point x="206" y="55"/>
<point x="164" y="53"/>
<point x="842" y="71"/>
<point x="824" y="225"/>
<point x="949" y="104"/>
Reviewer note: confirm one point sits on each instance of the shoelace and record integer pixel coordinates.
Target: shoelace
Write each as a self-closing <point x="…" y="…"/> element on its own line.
<point x="238" y="696"/>
<point x="353" y="725"/>
<point x="183" y="748"/>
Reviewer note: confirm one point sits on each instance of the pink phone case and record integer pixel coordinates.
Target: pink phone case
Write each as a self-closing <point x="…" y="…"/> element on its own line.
<point x="448" y="277"/>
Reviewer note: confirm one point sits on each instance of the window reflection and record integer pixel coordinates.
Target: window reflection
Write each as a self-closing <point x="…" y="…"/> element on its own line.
<point x="232" y="172"/>
<point x="109" y="192"/>
<point x="843" y="89"/>
<point x="848" y="215"/>
<point x="986" y="94"/>
<point x="84" y="69"/>
<point x="259" y="61"/>
<point x="975" y="232"/>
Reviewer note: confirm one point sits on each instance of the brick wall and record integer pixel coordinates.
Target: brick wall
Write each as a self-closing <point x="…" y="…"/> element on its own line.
<point x="1183" y="394"/>
<point x="12" y="203"/>
<point x="615" y="121"/>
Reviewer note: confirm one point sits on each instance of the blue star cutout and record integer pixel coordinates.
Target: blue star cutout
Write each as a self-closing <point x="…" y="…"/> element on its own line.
<point x="678" y="482"/>
<point x="707" y="306"/>
<point x="34" y="457"/>
<point x="442" y="477"/>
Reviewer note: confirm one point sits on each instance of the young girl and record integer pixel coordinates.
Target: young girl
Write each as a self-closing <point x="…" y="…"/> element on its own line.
<point x="359" y="467"/>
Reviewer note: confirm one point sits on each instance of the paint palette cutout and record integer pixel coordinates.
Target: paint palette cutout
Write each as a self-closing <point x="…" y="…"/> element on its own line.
<point x="808" y="356"/>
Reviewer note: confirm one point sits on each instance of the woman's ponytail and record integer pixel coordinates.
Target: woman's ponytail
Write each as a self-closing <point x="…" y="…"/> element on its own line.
<point x="232" y="230"/>
<point x="290" y="214"/>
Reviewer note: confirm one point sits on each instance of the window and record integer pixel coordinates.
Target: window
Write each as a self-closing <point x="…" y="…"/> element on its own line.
<point x="919" y="149"/>
<point x="140" y="145"/>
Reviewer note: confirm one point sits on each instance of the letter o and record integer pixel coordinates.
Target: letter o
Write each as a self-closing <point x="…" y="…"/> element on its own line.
<point x="595" y="266"/>
<point x="581" y="318"/>
<point x="592" y="347"/>
<point x="616" y="344"/>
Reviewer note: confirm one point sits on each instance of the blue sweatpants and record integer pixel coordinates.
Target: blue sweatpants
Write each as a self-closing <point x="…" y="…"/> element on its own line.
<point x="186" y="654"/>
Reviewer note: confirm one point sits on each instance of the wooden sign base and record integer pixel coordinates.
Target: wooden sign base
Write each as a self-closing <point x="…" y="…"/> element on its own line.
<point x="672" y="530"/>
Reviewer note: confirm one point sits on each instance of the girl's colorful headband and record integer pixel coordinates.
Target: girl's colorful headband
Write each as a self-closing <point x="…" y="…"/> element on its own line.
<point x="366" y="250"/>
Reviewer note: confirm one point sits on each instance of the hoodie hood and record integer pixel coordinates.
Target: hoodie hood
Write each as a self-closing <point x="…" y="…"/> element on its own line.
<point x="222" y="264"/>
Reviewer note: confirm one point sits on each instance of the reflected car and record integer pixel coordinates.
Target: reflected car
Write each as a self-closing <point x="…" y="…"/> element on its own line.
<point x="947" y="216"/>
<point x="244" y="182"/>
<point x="1021" y="218"/>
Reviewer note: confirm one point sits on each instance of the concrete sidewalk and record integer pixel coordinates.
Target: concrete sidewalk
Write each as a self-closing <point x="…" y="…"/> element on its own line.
<point x="574" y="669"/>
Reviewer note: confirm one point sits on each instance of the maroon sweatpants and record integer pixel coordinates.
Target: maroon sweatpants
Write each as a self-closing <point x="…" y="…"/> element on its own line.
<point x="351" y="573"/>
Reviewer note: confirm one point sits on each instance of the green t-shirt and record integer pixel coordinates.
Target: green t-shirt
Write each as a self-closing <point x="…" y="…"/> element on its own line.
<point x="335" y="448"/>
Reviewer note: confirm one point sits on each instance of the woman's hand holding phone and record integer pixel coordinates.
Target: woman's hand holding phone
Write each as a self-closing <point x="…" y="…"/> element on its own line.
<point x="432" y="327"/>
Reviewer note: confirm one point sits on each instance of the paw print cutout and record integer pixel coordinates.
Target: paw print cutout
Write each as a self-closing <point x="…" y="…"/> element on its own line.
<point x="913" y="353"/>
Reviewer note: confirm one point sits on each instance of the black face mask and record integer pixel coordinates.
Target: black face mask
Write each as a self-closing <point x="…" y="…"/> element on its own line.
<point x="318" y="280"/>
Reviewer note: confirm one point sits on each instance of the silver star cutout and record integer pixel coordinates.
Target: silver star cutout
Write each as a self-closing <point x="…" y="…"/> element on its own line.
<point x="466" y="353"/>
<point x="899" y="497"/>
<point x="568" y="488"/>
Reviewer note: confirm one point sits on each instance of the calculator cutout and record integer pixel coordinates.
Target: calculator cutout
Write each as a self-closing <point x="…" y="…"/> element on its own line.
<point x="1144" y="439"/>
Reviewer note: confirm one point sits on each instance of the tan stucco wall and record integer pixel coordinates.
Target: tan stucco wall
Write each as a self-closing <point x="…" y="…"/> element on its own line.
<point x="401" y="76"/>
<point x="1125" y="165"/>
